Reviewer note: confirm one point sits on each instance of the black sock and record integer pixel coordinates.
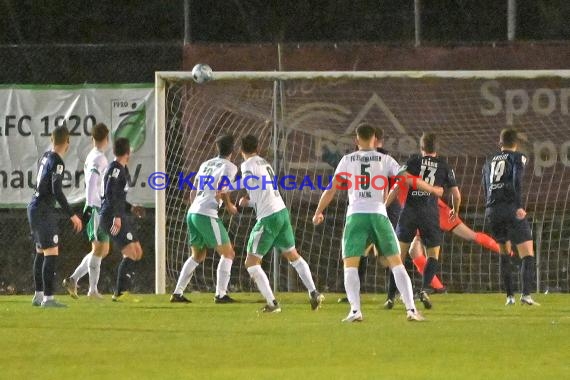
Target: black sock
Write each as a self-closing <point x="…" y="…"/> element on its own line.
<point x="362" y="264"/>
<point x="392" y="288"/>
<point x="506" y="274"/>
<point x="123" y="274"/>
<point x="527" y="274"/>
<point x="429" y="271"/>
<point x="38" y="268"/>
<point x="48" y="272"/>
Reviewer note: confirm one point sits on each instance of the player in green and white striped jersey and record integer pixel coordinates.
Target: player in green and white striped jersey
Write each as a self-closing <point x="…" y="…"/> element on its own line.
<point x="273" y="227"/>
<point x="365" y="175"/>
<point x="205" y="229"/>
<point x="95" y="165"/>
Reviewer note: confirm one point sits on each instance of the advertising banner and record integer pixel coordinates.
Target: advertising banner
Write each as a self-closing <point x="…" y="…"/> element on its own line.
<point x="30" y="113"/>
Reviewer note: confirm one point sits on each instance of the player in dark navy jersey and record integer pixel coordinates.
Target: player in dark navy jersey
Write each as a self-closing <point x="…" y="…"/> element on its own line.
<point x="421" y="212"/>
<point x="114" y="210"/>
<point x="502" y="179"/>
<point x="43" y="217"/>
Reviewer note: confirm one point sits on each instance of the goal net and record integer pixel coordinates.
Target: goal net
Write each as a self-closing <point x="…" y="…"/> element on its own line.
<point x="306" y="121"/>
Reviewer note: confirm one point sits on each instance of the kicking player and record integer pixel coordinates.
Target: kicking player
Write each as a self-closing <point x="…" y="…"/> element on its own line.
<point x="114" y="209"/>
<point x="502" y="179"/>
<point x="421" y="212"/>
<point x="367" y="219"/>
<point x="95" y="165"/>
<point x="205" y="229"/>
<point x="273" y="226"/>
<point x="43" y="217"/>
<point x="449" y="223"/>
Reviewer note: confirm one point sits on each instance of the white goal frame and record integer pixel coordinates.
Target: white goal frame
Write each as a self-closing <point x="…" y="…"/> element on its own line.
<point x="161" y="77"/>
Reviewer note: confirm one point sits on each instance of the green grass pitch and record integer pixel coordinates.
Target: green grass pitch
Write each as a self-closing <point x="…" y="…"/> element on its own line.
<point x="465" y="336"/>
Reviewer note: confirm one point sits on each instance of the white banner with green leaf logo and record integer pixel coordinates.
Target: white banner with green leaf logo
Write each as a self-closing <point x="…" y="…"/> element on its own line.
<point x="29" y="113"/>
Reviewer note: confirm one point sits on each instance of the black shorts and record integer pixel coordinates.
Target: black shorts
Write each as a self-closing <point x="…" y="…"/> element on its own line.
<point x="126" y="234"/>
<point x="393" y="212"/>
<point x="44" y="227"/>
<point x="505" y="226"/>
<point x="426" y="222"/>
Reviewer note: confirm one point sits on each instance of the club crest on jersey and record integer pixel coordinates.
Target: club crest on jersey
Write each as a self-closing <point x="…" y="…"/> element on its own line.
<point x="59" y="169"/>
<point x="115" y="173"/>
<point x="523" y="159"/>
<point x="55" y="239"/>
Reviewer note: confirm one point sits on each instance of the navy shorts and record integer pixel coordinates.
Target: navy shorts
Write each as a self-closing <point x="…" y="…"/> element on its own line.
<point x="43" y="227"/>
<point x="126" y="234"/>
<point x="505" y="226"/>
<point x="426" y="222"/>
<point x="393" y="212"/>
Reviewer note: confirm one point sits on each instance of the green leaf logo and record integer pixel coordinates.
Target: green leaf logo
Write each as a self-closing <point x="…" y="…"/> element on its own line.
<point x="133" y="126"/>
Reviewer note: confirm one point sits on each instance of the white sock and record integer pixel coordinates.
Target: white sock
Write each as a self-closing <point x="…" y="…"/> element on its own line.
<point x="404" y="285"/>
<point x="223" y="276"/>
<point x="39" y="294"/>
<point x="352" y="287"/>
<point x="304" y="272"/>
<point x="185" y="275"/>
<point x="262" y="282"/>
<point x="94" y="270"/>
<point x="82" y="268"/>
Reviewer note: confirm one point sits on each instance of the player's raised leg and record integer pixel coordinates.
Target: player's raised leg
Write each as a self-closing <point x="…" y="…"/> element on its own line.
<point x="480" y="238"/>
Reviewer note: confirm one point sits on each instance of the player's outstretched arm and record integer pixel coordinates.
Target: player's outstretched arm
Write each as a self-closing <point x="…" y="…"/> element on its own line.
<point x="326" y="199"/>
<point x="415" y="182"/>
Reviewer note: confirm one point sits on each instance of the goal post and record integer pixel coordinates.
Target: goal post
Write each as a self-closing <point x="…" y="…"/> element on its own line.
<point x="160" y="197"/>
<point x="307" y="126"/>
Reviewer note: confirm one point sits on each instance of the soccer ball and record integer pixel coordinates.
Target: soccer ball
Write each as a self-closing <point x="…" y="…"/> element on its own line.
<point x="201" y="73"/>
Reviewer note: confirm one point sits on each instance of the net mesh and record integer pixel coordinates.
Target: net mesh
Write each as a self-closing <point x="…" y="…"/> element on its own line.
<point x="316" y="120"/>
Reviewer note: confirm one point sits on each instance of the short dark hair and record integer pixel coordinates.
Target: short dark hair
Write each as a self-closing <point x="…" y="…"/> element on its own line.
<point x="365" y="131"/>
<point x="428" y="142"/>
<point x="121" y="147"/>
<point x="509" y="137"/>
<point x="60" y="136"/>
<point x="225" y="144"/>
<point x="100" y="132"/>
<point x="379" y="133"/>
<point x="249" y="144"/>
